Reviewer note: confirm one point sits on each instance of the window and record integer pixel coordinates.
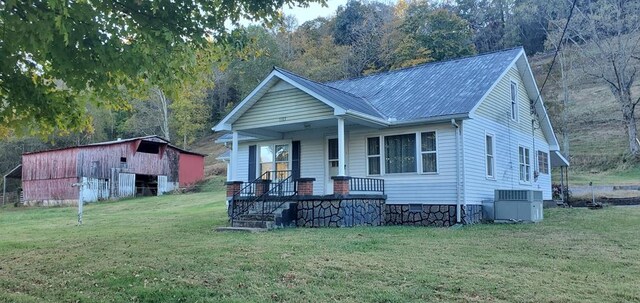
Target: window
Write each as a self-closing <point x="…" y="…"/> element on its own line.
<point x="543" y="162"/>
<point x="149" y="147"/>
<point x="400" y="154"/>
<point x="514" y="101"/>
<point x="373" y="156"/>
<point x="274" y="158"/>
<point x="525" y="164"/>
<point x="123" y="162"/>
<point x="333" y="157"/>
<point x="489" y="147"/>
<point x="428" y="150"/>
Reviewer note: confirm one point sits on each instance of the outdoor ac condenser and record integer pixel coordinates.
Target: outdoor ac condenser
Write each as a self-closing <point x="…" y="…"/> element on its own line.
<point x="518" y="206"/>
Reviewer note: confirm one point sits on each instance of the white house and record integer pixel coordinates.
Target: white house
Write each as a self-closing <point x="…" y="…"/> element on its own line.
<point x="443" y="136"/>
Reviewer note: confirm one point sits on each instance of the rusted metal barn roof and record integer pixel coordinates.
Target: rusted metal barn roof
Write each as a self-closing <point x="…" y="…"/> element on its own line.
<point x="154" y="138"/>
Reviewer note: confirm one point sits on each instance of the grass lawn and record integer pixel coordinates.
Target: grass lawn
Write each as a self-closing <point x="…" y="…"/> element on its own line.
<point x="165" y="249"/>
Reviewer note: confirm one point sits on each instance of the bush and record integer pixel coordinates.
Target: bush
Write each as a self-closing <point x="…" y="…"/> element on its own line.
<point x="557" y="190"/>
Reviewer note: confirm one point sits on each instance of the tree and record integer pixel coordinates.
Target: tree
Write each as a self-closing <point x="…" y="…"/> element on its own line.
<point x="441" y="32"/>
<point x="607" y="35"/>
<point x="52" y="51"/>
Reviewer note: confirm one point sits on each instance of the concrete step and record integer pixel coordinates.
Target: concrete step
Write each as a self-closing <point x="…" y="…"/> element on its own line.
<point x="253" y="224"/>
<point x="258" y="217"/>
<point x="241" y="229"/>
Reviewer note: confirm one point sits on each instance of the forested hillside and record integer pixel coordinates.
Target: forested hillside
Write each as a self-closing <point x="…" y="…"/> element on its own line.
<point x="591" y="90"/>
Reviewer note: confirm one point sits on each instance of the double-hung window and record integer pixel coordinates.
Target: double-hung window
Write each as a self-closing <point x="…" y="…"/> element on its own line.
<point x="490" y="156"/>
<point x="543" y="162"/>
<point x="429" y="152"/>
<point x="405" y="153"/>
<point x="400" y="154"/>
<point x="373" y="156"/>
<point x="525" y="164"/>
<point x="514" y="101"/>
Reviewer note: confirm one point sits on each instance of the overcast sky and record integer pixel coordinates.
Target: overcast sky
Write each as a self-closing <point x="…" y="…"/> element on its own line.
<point x="314" y="10"/>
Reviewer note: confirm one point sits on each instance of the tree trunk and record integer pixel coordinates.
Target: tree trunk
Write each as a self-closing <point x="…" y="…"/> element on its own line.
<point x="624" y="97"/>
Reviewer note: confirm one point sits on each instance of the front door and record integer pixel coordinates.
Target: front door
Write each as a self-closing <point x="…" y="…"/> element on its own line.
<point x="331" y="163"/>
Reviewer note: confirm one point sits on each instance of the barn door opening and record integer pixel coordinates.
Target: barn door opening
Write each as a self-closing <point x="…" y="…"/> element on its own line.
<point x="146" y="185"/>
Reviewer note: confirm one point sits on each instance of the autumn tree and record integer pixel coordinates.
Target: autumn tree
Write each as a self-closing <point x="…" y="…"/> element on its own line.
<point x="52" y="51"/>
<point x="607" y="35"/>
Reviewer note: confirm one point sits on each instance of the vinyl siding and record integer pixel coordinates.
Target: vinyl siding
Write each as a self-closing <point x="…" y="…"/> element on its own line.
<point x="439" y="188"/>
<point x="283" y="104"/>
<point x="497" y="105"/>
<point x="493" y="116"/>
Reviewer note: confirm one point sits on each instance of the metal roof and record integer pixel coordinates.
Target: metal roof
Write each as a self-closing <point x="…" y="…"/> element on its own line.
<point x="432" y="89"/>
<point x="154" y="138"/>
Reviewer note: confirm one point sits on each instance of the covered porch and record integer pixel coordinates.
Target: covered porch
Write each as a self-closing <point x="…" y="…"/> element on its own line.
<point x="297" y="174"/>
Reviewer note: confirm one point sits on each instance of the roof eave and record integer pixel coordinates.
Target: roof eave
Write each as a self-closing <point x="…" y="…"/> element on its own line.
<point x="431" y="120"/>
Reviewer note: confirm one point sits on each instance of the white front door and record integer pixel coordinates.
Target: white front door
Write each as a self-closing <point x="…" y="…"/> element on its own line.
<point x="331" y="163"/>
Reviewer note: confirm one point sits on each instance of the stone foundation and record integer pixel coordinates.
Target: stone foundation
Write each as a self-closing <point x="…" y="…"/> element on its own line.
<point x="340" y="211"/>
<point x="472" y="214"/>
<point x="430" y="215"/>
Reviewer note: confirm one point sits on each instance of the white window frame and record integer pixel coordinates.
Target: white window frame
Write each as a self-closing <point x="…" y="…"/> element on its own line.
<point x="493" y="156"/>
<point x="420" y="152"/>
<point x="272" y="144"/>
<point x="379" y="155"/>
<point x="382" y="155"/>
<point x="546" y="172"/>
<point x="527" y="166"/>
<point x="513" y="99"/>
<point x="383" y="166"/>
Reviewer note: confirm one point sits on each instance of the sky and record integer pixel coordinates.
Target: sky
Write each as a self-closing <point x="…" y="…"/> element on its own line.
<point x="314" y="10"/>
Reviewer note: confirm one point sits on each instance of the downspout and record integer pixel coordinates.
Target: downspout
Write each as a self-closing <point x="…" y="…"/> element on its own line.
<point x="458" y="197"/>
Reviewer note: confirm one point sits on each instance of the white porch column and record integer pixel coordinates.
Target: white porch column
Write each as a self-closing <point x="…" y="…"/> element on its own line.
<point x="341" y="152"/>
<point x="234" y="157"/>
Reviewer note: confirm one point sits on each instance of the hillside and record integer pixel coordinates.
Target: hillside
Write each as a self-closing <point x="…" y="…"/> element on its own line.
<point x="597" y="137"/>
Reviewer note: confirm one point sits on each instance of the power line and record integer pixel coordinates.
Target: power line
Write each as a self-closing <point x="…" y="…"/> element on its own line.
<point x="555" y="55"/>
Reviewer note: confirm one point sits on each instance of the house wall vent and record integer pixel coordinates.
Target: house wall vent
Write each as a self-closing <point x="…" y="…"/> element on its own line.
<point x="518" y="206"/>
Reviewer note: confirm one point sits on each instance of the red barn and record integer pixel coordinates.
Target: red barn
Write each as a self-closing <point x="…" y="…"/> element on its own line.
<point x="123" y="168"/>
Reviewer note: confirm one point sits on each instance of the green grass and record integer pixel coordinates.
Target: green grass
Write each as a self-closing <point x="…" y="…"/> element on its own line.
<point x="164" y="249"/>
<point x="625" y="176"/>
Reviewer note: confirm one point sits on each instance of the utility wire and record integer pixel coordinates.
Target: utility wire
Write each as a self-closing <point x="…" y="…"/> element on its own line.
<point x="555" y="55"/>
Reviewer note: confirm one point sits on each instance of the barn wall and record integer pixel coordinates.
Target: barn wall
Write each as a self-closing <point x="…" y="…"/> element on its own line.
<point x="191" y="169"/>
<point x="98" y="161"/>
<point x="55" y="164"/>
<point x="50" y="191"/>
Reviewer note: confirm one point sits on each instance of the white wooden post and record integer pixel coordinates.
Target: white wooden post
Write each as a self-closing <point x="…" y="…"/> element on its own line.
<point x="234" y="157"/>
<point x="80" y="202"/>
<point x="341" y="152"/>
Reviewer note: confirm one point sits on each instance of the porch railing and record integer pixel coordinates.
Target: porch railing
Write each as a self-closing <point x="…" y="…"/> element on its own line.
<point x="369" y="185"/>
<point x="249" y="201"/>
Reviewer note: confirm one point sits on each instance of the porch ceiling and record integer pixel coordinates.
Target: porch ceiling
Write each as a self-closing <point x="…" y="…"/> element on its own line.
<point x="277" y="131"/>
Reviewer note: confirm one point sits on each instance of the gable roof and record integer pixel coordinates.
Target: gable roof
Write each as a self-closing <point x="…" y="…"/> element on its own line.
<point x="343" y="99"/>
<point x="424" y="93"/>
<point x="434" y="89"/>
<point x="154" y="138"/>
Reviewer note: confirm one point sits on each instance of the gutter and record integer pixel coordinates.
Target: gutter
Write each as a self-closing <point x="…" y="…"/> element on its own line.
<point x="458" y="193"/>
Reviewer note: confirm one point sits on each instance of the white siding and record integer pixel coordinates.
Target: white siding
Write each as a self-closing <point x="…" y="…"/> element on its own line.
<point x="437" y="188"/>
<point x="493" y="116"/>
<point x="283" y="104"/>
<point x="243" y="162"/>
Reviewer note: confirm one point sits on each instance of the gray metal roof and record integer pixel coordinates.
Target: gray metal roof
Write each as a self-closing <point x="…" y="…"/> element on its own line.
<point x="423" y="91"/>
<point x="340" y="98"/>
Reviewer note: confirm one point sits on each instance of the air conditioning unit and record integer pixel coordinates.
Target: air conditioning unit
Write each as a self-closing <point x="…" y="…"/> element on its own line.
<point x="518" y="206"/>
